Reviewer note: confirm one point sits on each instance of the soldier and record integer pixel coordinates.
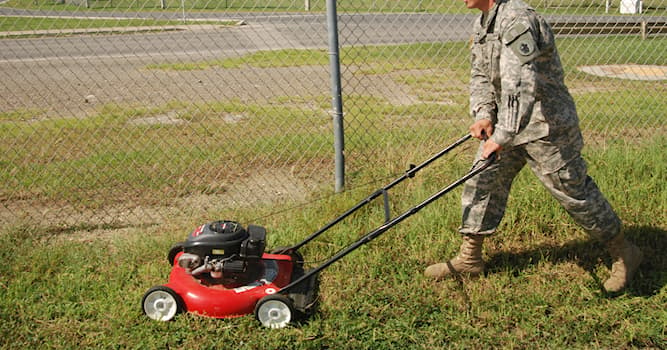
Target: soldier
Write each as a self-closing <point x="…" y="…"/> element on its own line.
<point x="520" y="102"/>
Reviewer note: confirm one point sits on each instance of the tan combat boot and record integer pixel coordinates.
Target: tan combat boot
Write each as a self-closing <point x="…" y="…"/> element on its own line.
<point x="468" y="262"/>
<point x="626" y="258"/>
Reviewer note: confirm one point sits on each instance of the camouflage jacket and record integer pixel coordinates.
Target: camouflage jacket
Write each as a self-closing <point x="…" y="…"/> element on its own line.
<point x="517" y="76"/>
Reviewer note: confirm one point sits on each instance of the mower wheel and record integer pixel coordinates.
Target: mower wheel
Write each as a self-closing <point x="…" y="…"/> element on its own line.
<point x="161" y="303"/>
<point x="173" y="251"/>
<point x="275" y="311"/>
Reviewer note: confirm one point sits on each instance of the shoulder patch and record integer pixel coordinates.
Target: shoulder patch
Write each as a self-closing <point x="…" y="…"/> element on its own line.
<point x="519" y="38"/>
<point x="524" y="46"/>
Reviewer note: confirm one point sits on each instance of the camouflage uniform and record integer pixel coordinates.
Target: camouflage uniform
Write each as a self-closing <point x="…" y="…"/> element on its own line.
<point x="517" y="83"/>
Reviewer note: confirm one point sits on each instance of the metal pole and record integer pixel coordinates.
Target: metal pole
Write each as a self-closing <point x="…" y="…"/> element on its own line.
<point x="337" y="101"/>
<point x="643" y="30"/>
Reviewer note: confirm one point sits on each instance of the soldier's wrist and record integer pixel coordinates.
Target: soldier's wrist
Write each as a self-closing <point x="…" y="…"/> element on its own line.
<point x="487" y="116"/>
<point x="502" y="137"/>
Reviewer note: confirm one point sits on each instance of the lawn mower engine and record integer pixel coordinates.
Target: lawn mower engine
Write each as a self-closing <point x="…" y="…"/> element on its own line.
<point x="223" y="252"/>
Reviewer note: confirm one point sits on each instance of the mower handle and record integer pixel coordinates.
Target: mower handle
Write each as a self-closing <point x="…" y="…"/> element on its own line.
<point x="478" y="167"/>
<point x="410" y="173"/>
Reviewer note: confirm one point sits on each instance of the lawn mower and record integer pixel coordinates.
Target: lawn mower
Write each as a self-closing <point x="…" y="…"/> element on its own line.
<point x="222" y="270"/>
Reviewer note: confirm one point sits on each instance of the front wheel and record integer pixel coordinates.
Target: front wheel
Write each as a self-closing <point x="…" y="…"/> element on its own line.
<point x="161" y="303"/>
<point x="274" y="311"/>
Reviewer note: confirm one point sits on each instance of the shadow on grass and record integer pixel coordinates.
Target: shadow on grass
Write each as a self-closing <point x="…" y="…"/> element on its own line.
<point x="649" y="279"/>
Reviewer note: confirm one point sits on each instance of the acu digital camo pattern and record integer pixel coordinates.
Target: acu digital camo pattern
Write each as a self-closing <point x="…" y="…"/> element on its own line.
<point x="517" y="83"/>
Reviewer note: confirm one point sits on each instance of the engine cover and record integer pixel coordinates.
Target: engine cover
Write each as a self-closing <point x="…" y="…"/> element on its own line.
<point x="224" y="251"/>
<point x="218" y="239"/>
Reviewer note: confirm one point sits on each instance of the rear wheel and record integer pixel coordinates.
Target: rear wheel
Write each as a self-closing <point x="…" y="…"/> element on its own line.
<point x="275" y="311"/>
<point x="161" y="303"/>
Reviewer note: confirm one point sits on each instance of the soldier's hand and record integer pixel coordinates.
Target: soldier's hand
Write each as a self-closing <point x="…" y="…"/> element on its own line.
<point x="481" y="129"/>
<point x="489" y="148"/>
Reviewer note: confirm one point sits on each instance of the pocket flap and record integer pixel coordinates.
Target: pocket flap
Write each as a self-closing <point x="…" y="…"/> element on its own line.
<point x="514" y="32"/>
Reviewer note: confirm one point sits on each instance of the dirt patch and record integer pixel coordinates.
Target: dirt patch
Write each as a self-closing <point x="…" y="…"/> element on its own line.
<point x="165" y="119"/>
<point x="265" y="187"/>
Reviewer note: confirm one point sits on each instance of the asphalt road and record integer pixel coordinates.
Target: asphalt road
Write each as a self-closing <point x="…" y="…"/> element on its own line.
<point x="58" y="73"/>
<point x="259" y="32"/>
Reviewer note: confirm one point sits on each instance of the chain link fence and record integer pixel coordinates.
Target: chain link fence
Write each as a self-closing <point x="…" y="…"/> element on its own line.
<point x="127" y="112"/>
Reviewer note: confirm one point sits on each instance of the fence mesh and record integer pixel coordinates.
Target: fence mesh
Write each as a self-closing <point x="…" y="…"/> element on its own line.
<point x="130" y="111"/>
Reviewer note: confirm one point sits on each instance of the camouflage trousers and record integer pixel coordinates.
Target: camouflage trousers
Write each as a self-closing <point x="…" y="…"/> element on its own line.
<point x="560" y="168"/>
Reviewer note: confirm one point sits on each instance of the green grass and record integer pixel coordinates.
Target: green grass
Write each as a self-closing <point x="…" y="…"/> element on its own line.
<point x="10" y="24"/>
<point x="261" y="59"/>
<point x="41" y="172"/>
<point x="611" y="50"/>
<point x="181" y="150"/>
<point x="82" y="286"/>
<point x="652" y="7"/>
<point x="443" y="56"/>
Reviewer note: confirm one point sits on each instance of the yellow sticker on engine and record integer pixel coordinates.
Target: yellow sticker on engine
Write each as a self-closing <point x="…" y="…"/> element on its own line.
<point x="218" y="251"/>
